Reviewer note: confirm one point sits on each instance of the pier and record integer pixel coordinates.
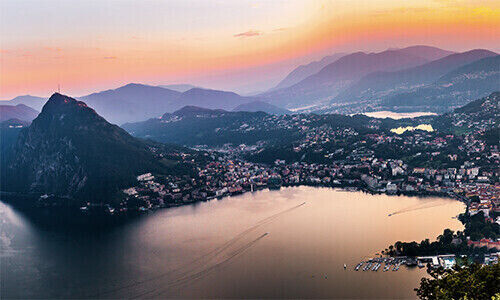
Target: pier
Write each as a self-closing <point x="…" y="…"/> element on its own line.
<point x="394" y="263"/>
<point x="374" y="264"/>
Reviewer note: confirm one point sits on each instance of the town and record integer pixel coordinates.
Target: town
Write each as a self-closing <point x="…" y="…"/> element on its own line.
<point x="463" y="166"/>
<point x="291" y="149"/>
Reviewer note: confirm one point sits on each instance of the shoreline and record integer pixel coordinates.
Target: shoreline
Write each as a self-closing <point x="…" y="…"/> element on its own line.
<point x="73" y="215"/>
<point x="31" y="197"/>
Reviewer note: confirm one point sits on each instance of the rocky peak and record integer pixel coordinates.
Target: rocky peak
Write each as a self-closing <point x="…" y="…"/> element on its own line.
<point x="58" y="102"/>
<point x="63" y="111"/>
<point x="70" y="150"/>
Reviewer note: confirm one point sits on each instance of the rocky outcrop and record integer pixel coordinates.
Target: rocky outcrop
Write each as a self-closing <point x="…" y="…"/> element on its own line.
<point x="69" y="150"/>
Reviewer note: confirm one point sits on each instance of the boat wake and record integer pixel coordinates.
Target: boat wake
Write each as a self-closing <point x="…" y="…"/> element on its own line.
<point x="197" y="268"/>
<point x="418" y="207"/>
<point x="196" y="274"/>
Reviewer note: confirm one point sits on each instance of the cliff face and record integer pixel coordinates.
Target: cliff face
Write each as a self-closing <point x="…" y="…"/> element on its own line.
<point x="69" y="150"/>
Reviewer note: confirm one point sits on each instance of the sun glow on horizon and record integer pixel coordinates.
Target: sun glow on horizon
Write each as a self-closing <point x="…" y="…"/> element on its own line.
<point x="91" y="45"/>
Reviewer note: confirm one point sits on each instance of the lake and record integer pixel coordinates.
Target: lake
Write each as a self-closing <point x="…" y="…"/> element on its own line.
<point x="290" y="243"/>
<point x="423" y="127"/>
<point x="395" y="115"/>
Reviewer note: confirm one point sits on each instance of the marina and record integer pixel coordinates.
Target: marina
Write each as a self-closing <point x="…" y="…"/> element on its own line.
<point x="445" y="261"/>
<point x="374" y="264"/>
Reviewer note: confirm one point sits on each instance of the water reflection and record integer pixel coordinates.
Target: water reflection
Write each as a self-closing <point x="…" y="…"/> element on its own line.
<point x="265" y="244"/>
<point x="396" y="116"/>
<point x="401" y="130"/>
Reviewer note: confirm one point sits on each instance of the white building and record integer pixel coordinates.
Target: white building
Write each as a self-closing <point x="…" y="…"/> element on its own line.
<point x="145" y="177"/>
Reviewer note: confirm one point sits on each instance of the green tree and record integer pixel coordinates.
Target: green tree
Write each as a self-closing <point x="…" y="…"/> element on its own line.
<point x="468" y="282"/>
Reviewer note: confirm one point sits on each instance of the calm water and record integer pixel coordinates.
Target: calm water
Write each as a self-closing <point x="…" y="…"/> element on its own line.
<point x="395" y="115"/>
<point x="264" y="244"/>
<point x="424" y="127"/>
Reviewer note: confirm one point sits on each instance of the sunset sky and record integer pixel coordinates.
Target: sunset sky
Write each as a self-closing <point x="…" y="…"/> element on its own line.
<point x="243" y="45"/>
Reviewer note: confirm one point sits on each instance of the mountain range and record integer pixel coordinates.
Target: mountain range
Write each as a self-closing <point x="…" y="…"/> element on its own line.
<point x="19" y="112"/>
<point x="132" y="102"/>
<point x="303" y="71"/>
<point x="409" y="79"/>
<point x="213" y="99"/>
<point x="427" y="52"/>
<point x="179" y="87"/>
<point x="456" y="88"/>
<point x="379" y="84"/>
<point x="69" y="150"/>
<point x="138" y="102"/>
<point x="28" y="100"/>
<point x="193" y="125"/>
<point x="338" y="75"/>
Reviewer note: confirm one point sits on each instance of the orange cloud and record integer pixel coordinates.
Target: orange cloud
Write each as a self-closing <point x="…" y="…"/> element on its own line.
<point x="162" y="56"/>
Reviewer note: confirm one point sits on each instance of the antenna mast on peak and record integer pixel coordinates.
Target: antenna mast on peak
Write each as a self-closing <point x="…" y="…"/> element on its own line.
<point x="58" y="88"/>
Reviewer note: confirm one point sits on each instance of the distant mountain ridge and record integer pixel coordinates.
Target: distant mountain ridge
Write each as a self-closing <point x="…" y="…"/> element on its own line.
<point x="213" y="99"/>
<point x="19" y="111"/>
<point x="193" y="125"/>
<point x="179" y="87"/>
<point x="138" y="102"/>
<point x="336" y="76"/>
<point x="132" y="102"/>
<point x="367" y="77"/>
<point x="262" y="106"/>
<point x="379" y="84"/>
<point x="32" y="101"/>
<point x="456" y="88"/>
<point x="191" y="110"/>
<point x="303" y="71"/>
<point x="428" y="52"/>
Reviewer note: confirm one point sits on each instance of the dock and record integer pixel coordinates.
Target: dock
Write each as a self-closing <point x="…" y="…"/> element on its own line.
<point x="388" y="263"/>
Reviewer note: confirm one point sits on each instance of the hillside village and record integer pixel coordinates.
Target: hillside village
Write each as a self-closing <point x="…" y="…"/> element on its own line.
<point x="419" y="162"/>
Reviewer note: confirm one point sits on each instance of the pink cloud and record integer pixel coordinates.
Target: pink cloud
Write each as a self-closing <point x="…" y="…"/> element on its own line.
<point x="249" y="33"/>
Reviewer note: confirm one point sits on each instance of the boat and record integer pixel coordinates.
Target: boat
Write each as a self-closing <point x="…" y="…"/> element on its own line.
<point x="367" y="267"/>
<point x="358" y="266"/>
<point x="345" y="266"/>
<point x="396" y="267"/>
